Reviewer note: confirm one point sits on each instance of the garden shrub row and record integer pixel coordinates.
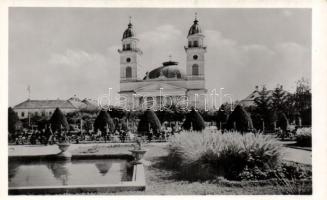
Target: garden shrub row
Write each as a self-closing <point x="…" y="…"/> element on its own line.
<point x="303" y="137"/>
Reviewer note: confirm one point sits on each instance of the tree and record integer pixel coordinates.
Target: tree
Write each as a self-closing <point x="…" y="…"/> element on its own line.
<point x="240" y="120"/>
<point x="302" y="101"/>
<point x="193" y="120"/>
<point x="263" y="108"/>
<point x="14" y="124"/>
<point x="149" y="121"/>
<point x="282" y="121"/>
<point x="278" y="99"/>
<point x="104" y="121"/>
<point x="58" y="121"/>
<point x="221" y="117"/>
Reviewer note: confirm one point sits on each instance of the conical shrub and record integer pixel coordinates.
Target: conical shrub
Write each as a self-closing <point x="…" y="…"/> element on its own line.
<point x="194" y="120"/>
<point x="149" y="120"/>
<point x="103" y="121"/>
<point x="58" y="120"/>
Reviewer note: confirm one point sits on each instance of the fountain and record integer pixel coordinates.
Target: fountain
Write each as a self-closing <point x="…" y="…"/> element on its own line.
<point x="138" y="152"/>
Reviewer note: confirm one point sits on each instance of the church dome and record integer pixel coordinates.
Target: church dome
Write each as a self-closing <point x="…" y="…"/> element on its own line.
<point x="129" y="32"/>
<point x="168" y="70"/>
<point x="195" y="28"/>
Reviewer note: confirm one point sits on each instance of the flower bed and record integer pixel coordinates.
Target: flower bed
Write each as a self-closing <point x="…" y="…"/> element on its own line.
<point x="303" y="137"/>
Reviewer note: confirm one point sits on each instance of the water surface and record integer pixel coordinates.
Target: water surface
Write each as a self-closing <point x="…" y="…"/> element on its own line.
<point x="75" y="172"/>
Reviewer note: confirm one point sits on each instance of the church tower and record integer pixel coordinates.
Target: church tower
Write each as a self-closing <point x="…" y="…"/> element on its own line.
<point x="129" y="55"/>
<point x="195" y="51"/>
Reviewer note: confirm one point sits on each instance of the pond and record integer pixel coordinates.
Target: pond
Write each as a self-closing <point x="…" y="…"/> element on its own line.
<point x="68" y="173"/>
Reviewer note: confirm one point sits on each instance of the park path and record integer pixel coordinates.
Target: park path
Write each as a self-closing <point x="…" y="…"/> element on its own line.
<point x="297" y="155"/>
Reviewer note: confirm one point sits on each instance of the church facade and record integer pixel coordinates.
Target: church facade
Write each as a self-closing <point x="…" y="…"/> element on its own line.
<point x="167" y="84"/>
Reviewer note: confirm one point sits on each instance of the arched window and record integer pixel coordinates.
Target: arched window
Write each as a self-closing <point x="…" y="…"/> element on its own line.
<point x="128" y="72"/>
<point x="195" y="43"/>
<point x="195" y="70"/>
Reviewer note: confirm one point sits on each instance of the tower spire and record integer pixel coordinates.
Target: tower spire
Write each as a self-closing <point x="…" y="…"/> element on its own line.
<point x="130" y="21"/>
<point x="195" y="17"/>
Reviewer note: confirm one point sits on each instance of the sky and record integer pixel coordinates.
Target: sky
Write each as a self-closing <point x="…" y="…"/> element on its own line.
<point x="62" y="52"/>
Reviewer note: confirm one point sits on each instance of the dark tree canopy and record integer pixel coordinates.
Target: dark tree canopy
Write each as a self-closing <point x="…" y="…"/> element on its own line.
<point x="149" y="120"/>
<point x="104" y="121"/>
<point x="14" y="123"/>
<point x="194" y="120"/>
<point x="241" y="119"/>
<point x="116" y="112"/>
<point x="58" y="121"/>
<point x="282" y="121"/>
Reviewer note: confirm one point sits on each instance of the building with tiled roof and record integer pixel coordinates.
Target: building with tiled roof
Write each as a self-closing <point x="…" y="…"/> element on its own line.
<point x="249" y="100"/>
<point x="43" y="108"/>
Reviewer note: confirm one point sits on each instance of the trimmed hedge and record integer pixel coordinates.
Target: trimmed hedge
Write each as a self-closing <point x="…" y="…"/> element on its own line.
<point x="194" y="120"/>
<point x="149" y="120"/>
<point x="304" y="137"/>
<point x="58" y="120"/>
<point x="102" y="121"/>
<point x="241" y="119"/>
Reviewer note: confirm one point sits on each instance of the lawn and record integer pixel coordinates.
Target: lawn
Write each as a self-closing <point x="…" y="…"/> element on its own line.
<point x="164" y="181"/>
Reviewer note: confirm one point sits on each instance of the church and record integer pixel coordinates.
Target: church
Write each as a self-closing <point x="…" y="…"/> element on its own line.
<point x="166" y="84"/>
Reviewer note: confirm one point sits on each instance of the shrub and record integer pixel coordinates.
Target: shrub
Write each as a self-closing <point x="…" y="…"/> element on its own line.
<point x="303" y="137"/>
<point x="14" y="123"/>
<point x="58" y="121"/>
<point x="104" y="121"/>
<point x="149" y="120"/>
<point x="204" y="156"/>
<point x="194" y="120"/>
<point x="241" y="119"/>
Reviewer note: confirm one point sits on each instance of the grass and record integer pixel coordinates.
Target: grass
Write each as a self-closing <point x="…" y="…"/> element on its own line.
<point x="164" y="181"/>
<point x="206" y="155"/>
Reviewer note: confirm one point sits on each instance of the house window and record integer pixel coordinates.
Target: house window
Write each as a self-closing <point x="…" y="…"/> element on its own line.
<point x="128" y="72"/>
<point x="128" y="46"/>
<point x="22" y="114"/>
<point x="195" y="70"/>
<point x="189" y="44"/>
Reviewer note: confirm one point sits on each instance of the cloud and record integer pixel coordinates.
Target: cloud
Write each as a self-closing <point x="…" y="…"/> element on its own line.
<point x="89" y="74"/>
<point x="76" y="58"/>
<point x="158" y="43"/>
<point x="239" y="67"/>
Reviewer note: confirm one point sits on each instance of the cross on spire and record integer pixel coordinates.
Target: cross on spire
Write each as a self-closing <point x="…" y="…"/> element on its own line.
<point x="130" y="22"/>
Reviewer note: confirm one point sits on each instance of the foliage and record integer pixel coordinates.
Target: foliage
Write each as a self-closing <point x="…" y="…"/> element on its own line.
<point x="278" y="99"/>
<point x="14" y="123"/>
<point x="220" y="117"/>
<point x="104" y="121"/>
<point x="204" y="156"/>
<point x="282" y="122"/>
<point x="116" y="112"/>
<point x="241" y="119"/>
<point x="193" y="120"/>
<point x="303" y="137"/>
<point x="58" y="121"/>
<point x="149" y="120"/>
